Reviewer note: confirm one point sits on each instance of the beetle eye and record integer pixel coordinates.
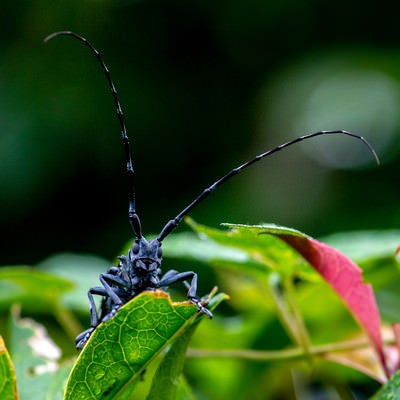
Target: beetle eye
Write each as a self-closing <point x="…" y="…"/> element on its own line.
<point x="159" y="252"/>
<point x="135" y="248"/>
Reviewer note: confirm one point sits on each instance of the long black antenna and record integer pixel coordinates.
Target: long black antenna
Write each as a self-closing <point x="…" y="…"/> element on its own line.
<point x="173" y="223"/>
<point x="133" y="217"/>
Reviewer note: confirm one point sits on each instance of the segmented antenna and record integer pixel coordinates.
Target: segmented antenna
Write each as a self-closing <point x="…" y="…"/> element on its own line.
<point x="173" y="223"/>
<point x="133" y="217"/>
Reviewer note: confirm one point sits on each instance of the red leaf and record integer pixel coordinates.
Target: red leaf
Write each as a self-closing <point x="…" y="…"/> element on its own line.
<point x="345" y="278"/>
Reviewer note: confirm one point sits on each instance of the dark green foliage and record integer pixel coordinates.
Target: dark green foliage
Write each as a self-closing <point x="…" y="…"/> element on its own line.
<point x="282" y="316"/>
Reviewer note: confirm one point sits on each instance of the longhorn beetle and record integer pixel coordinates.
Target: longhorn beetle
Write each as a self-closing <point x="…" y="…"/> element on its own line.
<point x="140" y="270"/>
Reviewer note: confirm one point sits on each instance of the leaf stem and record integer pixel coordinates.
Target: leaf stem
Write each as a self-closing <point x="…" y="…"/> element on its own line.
<point x="289" y="313"/>
<point x="301" y="330"/>
<point x="286" y="354"/>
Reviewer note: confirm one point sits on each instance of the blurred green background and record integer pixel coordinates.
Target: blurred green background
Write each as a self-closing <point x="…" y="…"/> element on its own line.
<point x="204" y="86"/>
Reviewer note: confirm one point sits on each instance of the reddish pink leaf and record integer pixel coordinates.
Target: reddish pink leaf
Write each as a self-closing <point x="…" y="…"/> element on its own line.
<point x="346" y="280"/>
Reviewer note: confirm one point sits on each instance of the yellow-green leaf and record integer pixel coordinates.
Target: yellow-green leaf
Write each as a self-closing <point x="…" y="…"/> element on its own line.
<point x="8" y="385"/>
<point x="119" y="349"/>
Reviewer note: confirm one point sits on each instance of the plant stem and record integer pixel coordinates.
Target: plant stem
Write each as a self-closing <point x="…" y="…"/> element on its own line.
<point x="289" y="313"/>
<point x="287" y="354"/>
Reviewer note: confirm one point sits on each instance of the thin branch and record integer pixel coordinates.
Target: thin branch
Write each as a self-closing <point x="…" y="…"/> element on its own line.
<point x="287" y="354"/>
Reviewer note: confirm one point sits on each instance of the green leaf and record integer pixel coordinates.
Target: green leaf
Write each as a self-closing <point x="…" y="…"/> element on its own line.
<point x="391" y="390"/>
<point x="190" y="246"/>
<point x="265" y="253"/>
<point x="8" y="384"/>
<point x="168" y="378"/>
<point x="120" y="349"/>
<point x="70" y="266"/>
<point x="37" y="292"/>
<point x="34" y="290"/>
<point x="365" y="245"/>
<point x="168" y="382"/>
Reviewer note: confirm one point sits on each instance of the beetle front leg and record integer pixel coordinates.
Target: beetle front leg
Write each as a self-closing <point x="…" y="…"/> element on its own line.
<point x="106" y="291"/>
<point x="94" y="318"/>
<point x="83" y="337"/>
<point x="173" y="276"/>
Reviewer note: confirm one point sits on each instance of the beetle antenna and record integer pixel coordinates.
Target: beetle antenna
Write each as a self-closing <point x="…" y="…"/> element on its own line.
<point x="133" y="216"/>
<point x="173" y="223"/>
